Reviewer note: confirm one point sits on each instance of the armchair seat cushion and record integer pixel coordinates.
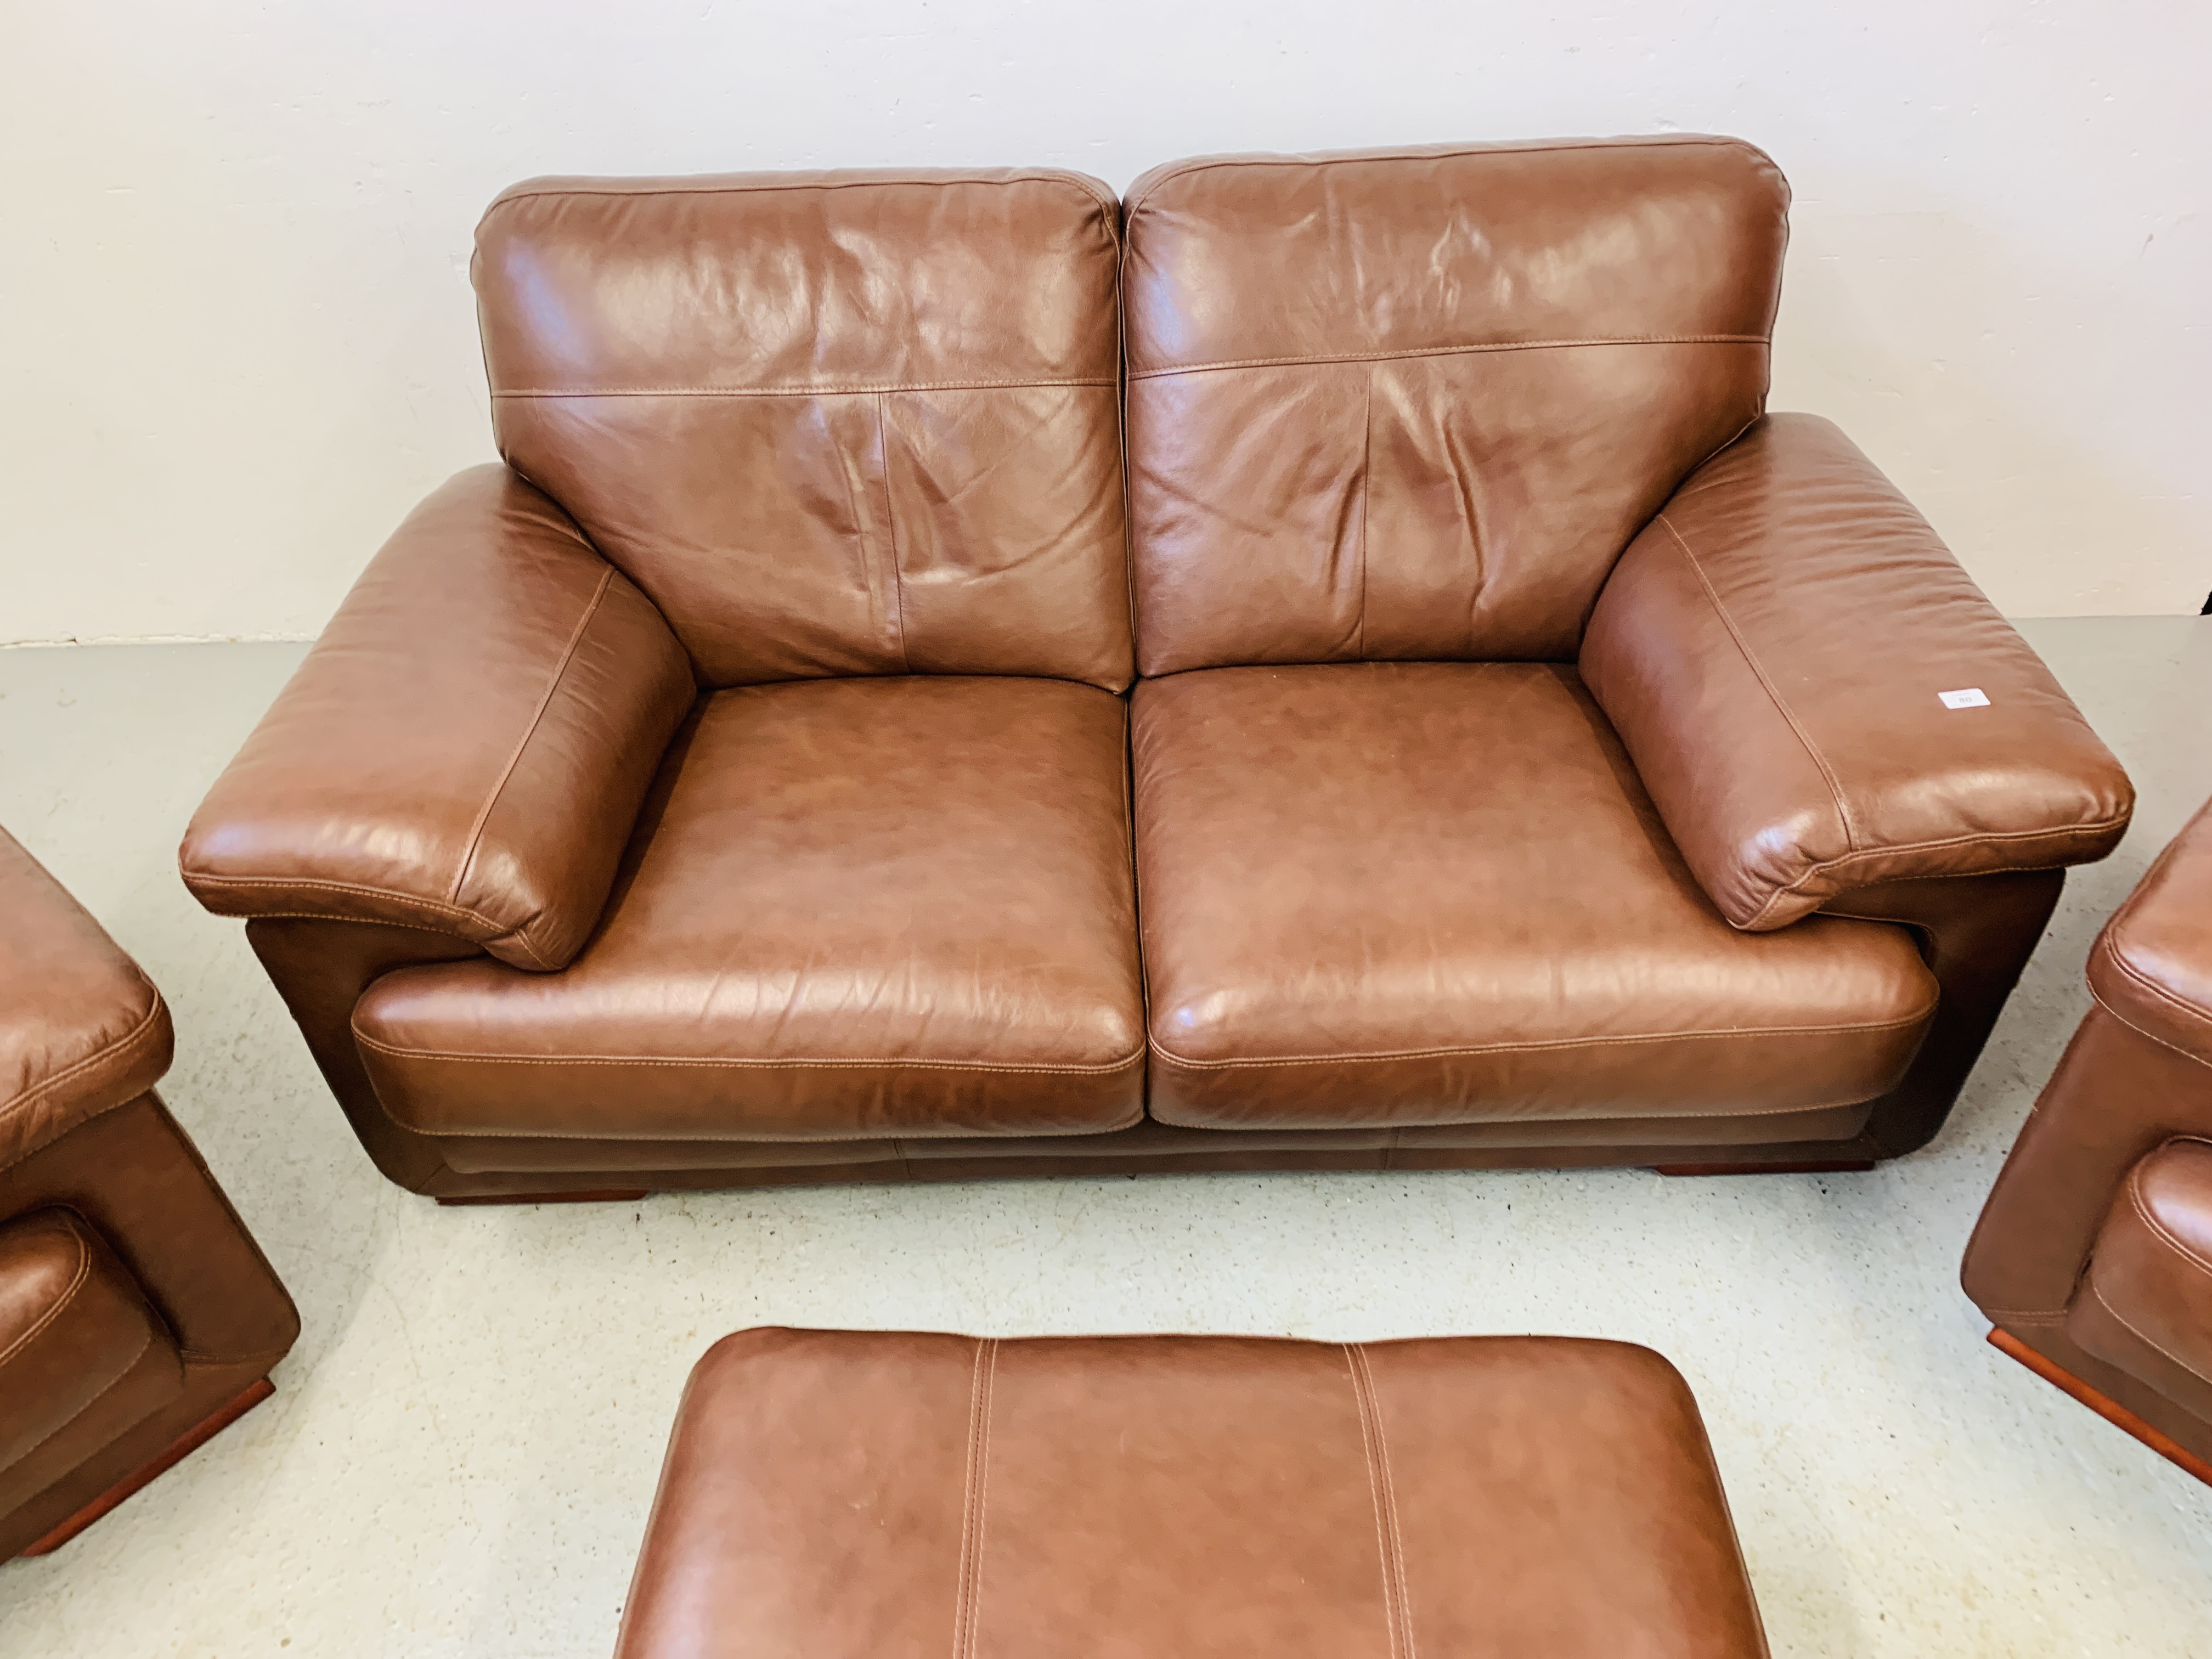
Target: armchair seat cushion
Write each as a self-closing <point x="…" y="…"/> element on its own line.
<point x="77" y="1338"/>
<point x="852" y="908"/>
<point x="1430" y="893"/>
<point x="2146" y="1305"/>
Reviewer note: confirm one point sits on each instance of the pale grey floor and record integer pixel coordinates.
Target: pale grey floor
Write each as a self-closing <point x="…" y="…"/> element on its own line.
<point x="461" y="1450"/>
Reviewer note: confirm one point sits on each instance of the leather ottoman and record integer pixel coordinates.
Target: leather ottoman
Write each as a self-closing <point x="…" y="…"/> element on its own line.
<point x="834" y="1494"/>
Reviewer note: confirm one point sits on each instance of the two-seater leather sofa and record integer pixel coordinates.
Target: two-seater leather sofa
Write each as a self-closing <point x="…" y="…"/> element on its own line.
<point x="2092" y="1259"/>
<point x="1326" y="664"/>
<point x="138" y="1317"/>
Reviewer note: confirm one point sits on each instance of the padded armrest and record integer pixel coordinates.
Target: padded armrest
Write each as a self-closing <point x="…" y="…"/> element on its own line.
<point x="466" y="747"/>
<point x="1772" y="649"/>
<point x="81" y="1031"/>
<point x="2152" y="966"/>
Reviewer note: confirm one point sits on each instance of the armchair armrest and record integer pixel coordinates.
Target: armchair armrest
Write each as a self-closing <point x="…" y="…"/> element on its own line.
<point x="466" y="747"/>
<point x="1773" y="649"/>
<point x="81" y="1031"/>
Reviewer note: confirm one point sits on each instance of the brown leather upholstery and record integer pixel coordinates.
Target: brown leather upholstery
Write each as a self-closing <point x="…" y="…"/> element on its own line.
<point x="1794" y="759"/>
<point x="830" y="1495"/>
<point x="832" y="462"/>
<point x="831" y="423"/>
<point x="2095" y="1247"/>
<point x="1413" y="405"/>
<point x="855" y="908"/>
<point x="1435" y="892"/>
<point x="132" y="1302"/>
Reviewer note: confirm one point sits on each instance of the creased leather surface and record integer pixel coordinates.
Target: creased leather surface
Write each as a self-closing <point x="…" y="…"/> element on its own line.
<point x="831" y="423"/>
<point x="854" y="908"/>
<point x="838" y="1494"/>
<point x="2152" y="966"/>
<point x="2145" y="1305"/>
<point x="81" y="1031"/>
<point x="1412" y="404"/>
<point x="1772" y="648"/>
<point x="1425" y="893"/>
<point x="465" y="747"/>
<point x="72" y="1324"/>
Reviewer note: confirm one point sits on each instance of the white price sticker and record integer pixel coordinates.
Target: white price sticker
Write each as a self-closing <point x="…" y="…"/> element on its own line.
<point x="1972" y="697"/>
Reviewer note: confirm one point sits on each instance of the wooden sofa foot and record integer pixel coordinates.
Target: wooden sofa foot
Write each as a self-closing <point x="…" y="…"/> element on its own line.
<point x="608" y="1195"/>
<point x="2106" y="1407"/>
<point x="1810" y="1166"/>
<point x="183" y="1446"/>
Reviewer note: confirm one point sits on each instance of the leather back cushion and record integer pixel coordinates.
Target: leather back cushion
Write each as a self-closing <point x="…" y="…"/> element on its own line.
<point x="831" y="423"/>
<point x="1413" y="405"/>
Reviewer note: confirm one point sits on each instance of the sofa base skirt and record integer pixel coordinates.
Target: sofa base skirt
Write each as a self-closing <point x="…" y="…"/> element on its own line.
<point x="519" y="1167"/>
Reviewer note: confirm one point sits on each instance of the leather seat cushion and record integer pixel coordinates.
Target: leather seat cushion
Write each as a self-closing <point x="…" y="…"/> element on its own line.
<point x="1426" y="893"/>
<point x="840" y="1494"/>
<point x="73" y="1325"/>
<point x="851" y="908"/>
<point x="2146" y="1305"/>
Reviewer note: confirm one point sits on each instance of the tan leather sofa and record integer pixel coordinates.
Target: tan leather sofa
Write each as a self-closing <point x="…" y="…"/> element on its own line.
<point x="1457" y="727"/>
<point x="138" y="1317"/>
<point x="2092" y="1259"/>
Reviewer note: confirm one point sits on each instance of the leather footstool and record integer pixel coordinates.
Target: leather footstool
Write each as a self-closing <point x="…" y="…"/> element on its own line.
<point x="835" y="1494"/>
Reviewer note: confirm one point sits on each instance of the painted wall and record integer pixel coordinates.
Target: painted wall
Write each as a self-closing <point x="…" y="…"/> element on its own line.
<point x="237" y="341"/>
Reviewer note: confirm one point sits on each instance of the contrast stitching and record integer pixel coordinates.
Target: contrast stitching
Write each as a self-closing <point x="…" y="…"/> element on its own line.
<point x="368" y="1041"/>
<point x="833" y="391"/>
<point x="1447" y="351"/>
<point x="1366" y="502"/>
<point x="2144" y="982"/>
<point x="888" y="1136"/>
<point x="1750" y="661"/>
<point x="975" y="1499"/>
<point x="1390" y="1545"/>
<point x="287" y="884"/>
<point x="2132" y="1329"/>
<point x="120" y="1046"/>
<point x="1021" y="177"/>
<point x="2147" y="1034"/>
<point x="1975" y="838"/>
<point x="1542" y="1044"/>
<point x="1223" y="163"/>
<point x="522" y="744"/>
<point x="2180" y="1247"/>
<point x="129" y="1366"/>
<point x="890" y="534"/>
<point x="76" y="1283"/>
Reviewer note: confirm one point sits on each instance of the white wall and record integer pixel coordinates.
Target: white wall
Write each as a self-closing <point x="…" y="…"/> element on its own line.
<point x="239" y="341"/>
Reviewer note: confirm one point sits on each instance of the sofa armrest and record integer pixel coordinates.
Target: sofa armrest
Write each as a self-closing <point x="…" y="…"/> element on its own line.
<point x="466" y="747"/>
<point x="82" y="1030"/>
<point x="1774" y="649"/>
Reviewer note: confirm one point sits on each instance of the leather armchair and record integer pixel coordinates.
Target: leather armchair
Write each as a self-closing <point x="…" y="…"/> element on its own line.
<point x="1536" y="754"/>
<point x="2093" y="1258"/>
<point x="137" y="1316"/>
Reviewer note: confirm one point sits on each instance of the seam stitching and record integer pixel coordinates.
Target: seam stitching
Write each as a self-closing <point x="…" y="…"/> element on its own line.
<point x="974" y="1499"/>
<point x="1546" y="1043"/>
<point x="1782" y="708"/>
<point x="2132" y="1329"/>
<point x="1366" y="501"/>
<point x="77" y="1281"/>
<point x="2149" y="986"/>
<point x="2159" y="1229"/>
<point x="1389" y="1546"/>
<point x="1026" y="176"/>
<point x="1477" y="349"/>
<point x="2144" y="1032"/>
<point x="854" y="390"/>
<point x="1189" y="169"/>
<point x="287" y="884"/>
<point x="891" y="532"/>
<point x="1046" y="1068"/>
<point x="121" y="1046"/>
<point x="522" y="744"/>
<point x="128" y="1368"/>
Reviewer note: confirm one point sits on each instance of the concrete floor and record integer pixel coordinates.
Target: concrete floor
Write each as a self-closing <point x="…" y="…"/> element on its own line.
<point x="461" y="1450"/>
